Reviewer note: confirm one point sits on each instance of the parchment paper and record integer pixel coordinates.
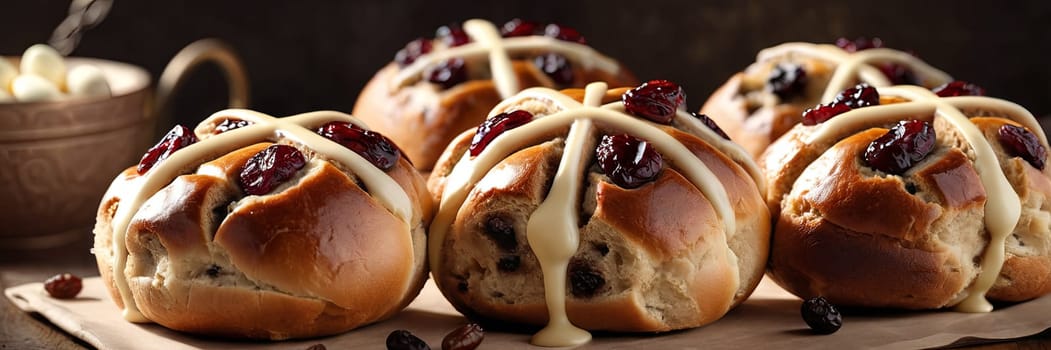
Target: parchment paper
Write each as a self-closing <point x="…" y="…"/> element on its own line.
<point x="769" y="319"/>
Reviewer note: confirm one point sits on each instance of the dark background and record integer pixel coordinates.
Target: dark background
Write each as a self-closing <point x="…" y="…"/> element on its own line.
<point x="309" y="55"/>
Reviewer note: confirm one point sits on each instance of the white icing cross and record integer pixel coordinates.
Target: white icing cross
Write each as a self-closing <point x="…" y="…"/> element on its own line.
<point x="858" y="63"/>
<point x="297" y="129"/>
<point x="1002" y="208"/>
<point x="552" y="229"/>
<point x="487" y="41"/>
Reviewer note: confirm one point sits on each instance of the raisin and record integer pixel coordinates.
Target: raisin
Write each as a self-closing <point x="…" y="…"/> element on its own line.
<point x="494" y="126"/>
<point x="911" y="188"/>
<point x="176" y="139"/>
<point x="63" y="286"/>
<point x="861" y="95"/>
<point x="710" y="124"/>
<point x="448" y="73"/>
<point x="584" y="281"/>
<point x="519" y="27"/>
<point x="509" y="263"/>
<point x="500" y="229"/>
<point x="602" y="248"/>
<point x="861" y="43"/>
<point x="958" y="88"/>
<point x="376" y="148"/>
<point x="452" y="35"/>
<point x="628" y="161"/>
<point x="556" y="66"/>
<point x="904" y="145"/>
<point x="413" y="50"/>
<point x="270" y="168"/>
<point x="1019" y="142"/>
<point x="656" y="100"/>
<point x="467" y="337"/>
<point x="404" y="340"/>
<point x="787" y="81"/>
<point x="821" y="316"/>
<point x="822" y="113"/>
<point x="564" y="33"/>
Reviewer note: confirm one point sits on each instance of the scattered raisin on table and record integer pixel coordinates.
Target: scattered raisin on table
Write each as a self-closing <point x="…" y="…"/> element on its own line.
<point x="821" y="316"/>
<point x="467" y="337"/>
<point x="404" y="340"/>
<point x="63" y="286"/>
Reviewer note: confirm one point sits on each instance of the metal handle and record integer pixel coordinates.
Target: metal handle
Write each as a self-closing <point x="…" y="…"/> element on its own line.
<point x="192" y="56"/>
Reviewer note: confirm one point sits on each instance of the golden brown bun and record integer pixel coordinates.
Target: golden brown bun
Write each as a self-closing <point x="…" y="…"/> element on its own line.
<point x="317" y="256"/>
<point x="660" y="249"/>
<point x="753" y="116"/>
<point x="915" y="241"/>
<point x="423" y="118"/>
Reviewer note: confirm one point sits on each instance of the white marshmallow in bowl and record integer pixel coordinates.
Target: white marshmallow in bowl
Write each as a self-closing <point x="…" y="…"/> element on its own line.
<point x="8" y="72"/>
<point x="34" y="88"/>
<point x="87" y="81"/>
<point x="44" y="61"/>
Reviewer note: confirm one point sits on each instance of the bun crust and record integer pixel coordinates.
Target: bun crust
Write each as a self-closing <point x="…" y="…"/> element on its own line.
<point x="860" y="237"/>
<point x="660" y="250"/>
<point x="315" y="257"/>
<point x="423" y="118"/>
<point x="753" y="115"/>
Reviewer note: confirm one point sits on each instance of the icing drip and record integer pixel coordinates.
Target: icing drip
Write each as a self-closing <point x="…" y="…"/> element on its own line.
<point x="295" y="129"/>
<point x="552" y="229"/>
<point x="487" y="41"/>
<point x="859" y="63"/>
<point x="1002" y="208"/>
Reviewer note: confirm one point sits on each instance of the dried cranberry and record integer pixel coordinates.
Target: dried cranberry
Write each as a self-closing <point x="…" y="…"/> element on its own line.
<point x="861" y="43"/>
<point x="564" y="33"/>
<point x="656" y="100"/>
<point x="519" y="27"/>
<point x="496" y="125"/>
<point x="179" y="137"/>
<point x="467" y="337"/>
<point x="710" y="124"/>
<point x="821" y="316"/>
<point x="787" y="81"/>
<point x="413" y="50"/>
<point x="404" y="340"/>
<point x="372" y="146"/>
<point x="448" y="73"/>
<point x="861" y="95"/>
<point x="63" y="286"/>
<point x="270" y="168"/>
<point x="555" y="66"/>
<point x="904" y="145"/>
<point x="231" y="124"/>
<point x="958" y="88"/>
<point x="1019" y="142"/>
<point x="822" y="113"/>
<point x="898" y="74"/>
<point x="452" y="35"/>
<point x="628" y="161"/>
